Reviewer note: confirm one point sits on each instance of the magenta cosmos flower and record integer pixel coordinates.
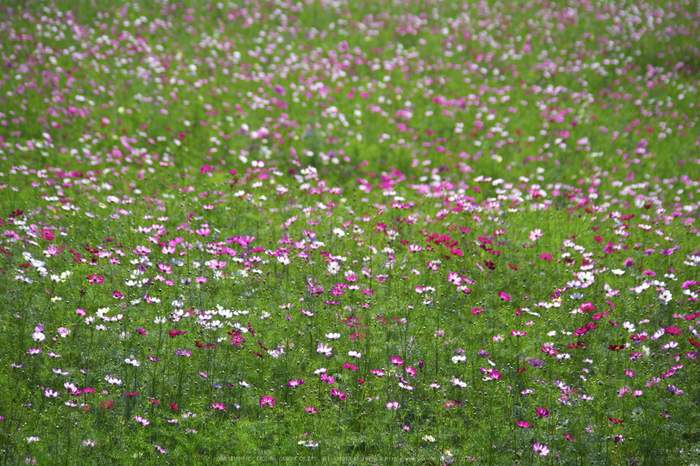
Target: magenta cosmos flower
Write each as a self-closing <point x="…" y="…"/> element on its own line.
<point x="94" y="278"/>
<point x="267" y="401"/>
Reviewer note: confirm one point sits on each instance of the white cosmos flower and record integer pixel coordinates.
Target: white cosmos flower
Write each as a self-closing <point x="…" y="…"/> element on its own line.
<point x="112" y="380"/>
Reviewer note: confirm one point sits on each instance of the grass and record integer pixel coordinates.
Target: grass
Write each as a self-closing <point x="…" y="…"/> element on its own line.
<point x="349" y="232"/>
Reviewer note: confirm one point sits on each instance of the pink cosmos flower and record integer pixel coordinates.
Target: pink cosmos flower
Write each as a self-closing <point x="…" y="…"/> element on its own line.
<point x="94" y="278"/>
<point x="541" y="449"/>
<point x="326" y="350"/>
<point x="535" y="235"/>
<point x="338" y="393"/>
<point x="674" y="390"/>
<point x="267" y="401"/>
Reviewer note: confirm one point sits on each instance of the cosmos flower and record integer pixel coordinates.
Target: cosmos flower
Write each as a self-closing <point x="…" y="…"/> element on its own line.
<point x="674" y="390"/>
<point x="393" y="405"/>
<point x="142" y="420"/>
<point x="535" y="235"/>
<point x="540" y="449"/>
<point x="325" y="350"/>
<point x="267" y="401"/>
<point x="94" y="278"/>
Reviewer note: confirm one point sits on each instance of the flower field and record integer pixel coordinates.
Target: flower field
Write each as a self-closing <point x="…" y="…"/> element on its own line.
<point x="347" y="232"/>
